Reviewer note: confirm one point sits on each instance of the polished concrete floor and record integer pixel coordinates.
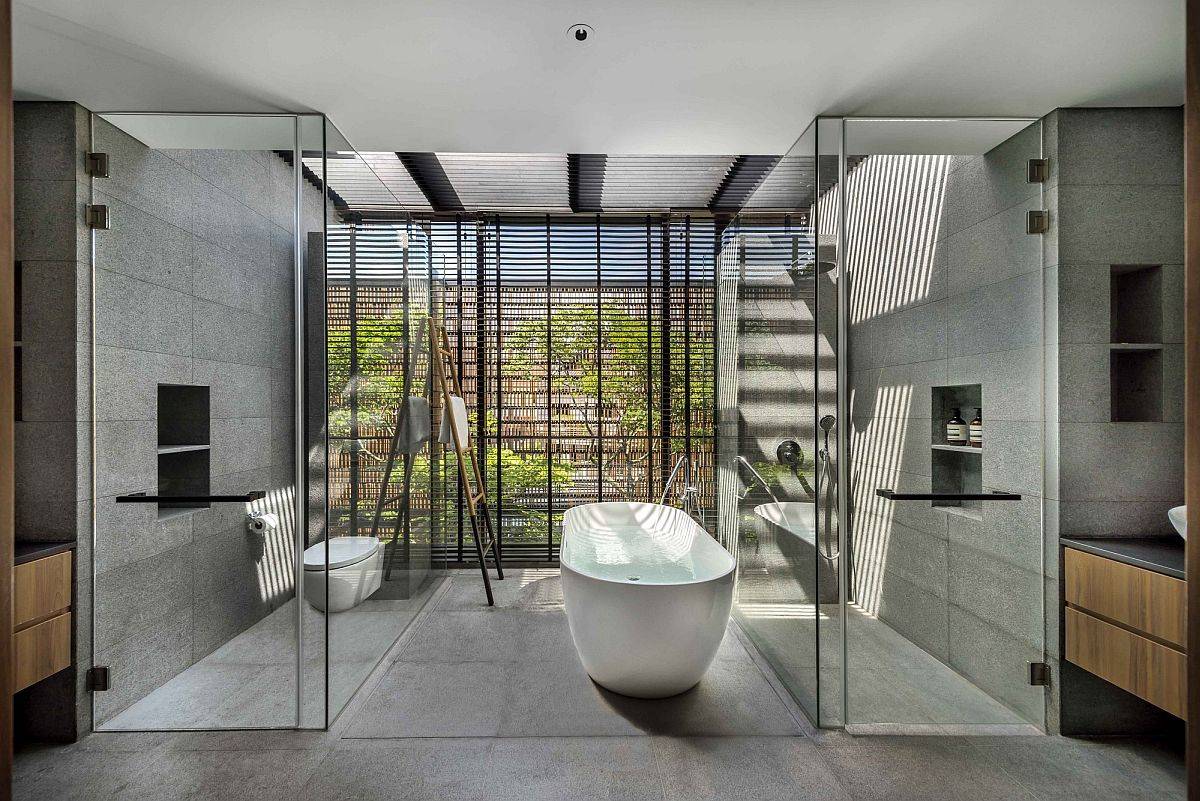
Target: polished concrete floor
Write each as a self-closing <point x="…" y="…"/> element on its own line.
<point x="477" y="703"/>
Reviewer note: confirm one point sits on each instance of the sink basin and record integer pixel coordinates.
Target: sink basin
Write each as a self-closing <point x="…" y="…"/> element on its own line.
<point x="1178" y="517"/>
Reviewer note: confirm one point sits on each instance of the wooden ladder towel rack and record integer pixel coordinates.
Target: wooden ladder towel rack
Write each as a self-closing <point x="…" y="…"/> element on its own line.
<point x="401" y="450"/>
<point x="445" y="372"/>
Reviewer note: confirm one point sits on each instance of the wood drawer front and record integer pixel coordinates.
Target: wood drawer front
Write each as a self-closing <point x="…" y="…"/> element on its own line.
<point x="1151" y="671"/>
<point x="41" y="650"/>
<point x="1143" y="600"/>
<point x="41" y="589"/>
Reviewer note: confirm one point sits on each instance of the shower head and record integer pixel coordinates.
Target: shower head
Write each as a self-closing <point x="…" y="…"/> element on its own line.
<point x="827" y="423"/>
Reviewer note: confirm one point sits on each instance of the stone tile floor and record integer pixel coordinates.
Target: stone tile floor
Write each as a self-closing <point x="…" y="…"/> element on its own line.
<point x="476" y="703"/>
<point x="251" y="680"/>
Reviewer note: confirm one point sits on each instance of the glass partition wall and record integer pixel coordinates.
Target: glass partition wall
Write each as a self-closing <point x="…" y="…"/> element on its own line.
<point x="881" y="301"/>
<point x="237" y="358"/>
<point x="770" y="454"/>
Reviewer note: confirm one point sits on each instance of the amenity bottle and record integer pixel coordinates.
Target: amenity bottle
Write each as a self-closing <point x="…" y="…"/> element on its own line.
<point x="956" y="429"/>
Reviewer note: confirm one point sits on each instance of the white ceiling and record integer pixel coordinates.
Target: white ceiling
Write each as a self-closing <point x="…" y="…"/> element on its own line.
<point x="669" y="76"/>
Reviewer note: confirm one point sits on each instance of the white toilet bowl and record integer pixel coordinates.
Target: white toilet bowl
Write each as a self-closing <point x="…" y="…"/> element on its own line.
<point x="355" y="572"/>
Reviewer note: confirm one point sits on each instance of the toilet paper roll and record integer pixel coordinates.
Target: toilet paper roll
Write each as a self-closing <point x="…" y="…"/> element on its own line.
<point x="262" y="521"/>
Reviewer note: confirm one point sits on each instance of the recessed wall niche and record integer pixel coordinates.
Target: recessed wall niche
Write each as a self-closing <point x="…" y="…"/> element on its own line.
<point x="1135" y="303"/>
<point x="1135" y="352"/>
<point x="956" y="469"/>
<point x="183" y="447"/>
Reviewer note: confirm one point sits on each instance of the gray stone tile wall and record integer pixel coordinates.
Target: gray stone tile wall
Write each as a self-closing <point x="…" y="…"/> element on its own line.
<point x="1115" y="197"/>
<point x="53" y="460"/>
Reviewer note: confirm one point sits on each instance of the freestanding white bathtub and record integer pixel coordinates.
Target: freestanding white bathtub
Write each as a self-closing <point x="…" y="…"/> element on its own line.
<point x="647" y="593"/>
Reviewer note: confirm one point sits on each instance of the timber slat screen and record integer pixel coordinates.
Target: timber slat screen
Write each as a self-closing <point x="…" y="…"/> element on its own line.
<point x="586" y="347"/>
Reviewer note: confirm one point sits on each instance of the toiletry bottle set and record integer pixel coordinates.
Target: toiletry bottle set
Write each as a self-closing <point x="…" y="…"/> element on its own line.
<point x="959" y="432"/>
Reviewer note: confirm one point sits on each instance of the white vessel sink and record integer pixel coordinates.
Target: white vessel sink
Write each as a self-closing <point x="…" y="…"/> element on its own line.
<point x="1178" y="517"/>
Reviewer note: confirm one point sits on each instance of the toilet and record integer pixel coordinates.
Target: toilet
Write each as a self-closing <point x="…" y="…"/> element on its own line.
<point x="355" y="572"/>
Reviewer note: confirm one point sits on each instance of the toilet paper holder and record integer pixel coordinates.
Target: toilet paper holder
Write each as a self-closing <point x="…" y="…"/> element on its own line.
<point x="261" y="522"/>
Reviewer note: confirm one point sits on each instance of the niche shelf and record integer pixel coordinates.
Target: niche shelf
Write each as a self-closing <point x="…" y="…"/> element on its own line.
<point x="956" y="469"/>
<point x="180" y="448"/>
<point x="183" y="446"/>
<point x="1135" y="350"/>
<point x="958" y="448"/>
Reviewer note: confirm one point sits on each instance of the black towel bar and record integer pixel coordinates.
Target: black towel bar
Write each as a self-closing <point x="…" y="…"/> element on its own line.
<point x="141" y="497"/>
<point x="892" y="495"/>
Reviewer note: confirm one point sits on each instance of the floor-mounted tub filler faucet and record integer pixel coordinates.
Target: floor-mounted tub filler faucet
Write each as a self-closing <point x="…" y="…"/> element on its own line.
<point x="690" y="496"/>
<point x="757" y="478"/>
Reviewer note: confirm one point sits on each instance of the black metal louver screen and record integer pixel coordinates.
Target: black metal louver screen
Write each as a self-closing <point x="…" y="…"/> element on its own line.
<point x="586" y="348"/>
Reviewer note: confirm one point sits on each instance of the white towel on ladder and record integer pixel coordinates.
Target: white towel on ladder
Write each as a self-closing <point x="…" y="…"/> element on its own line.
<point x="458" y="408"/>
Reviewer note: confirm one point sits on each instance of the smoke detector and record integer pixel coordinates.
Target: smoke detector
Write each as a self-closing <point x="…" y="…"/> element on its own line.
<point x="580" y="32"/>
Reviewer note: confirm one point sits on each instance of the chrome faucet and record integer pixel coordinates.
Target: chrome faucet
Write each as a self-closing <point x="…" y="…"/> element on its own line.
<point x="742" y="496"/>
<point x="691" y="493"/>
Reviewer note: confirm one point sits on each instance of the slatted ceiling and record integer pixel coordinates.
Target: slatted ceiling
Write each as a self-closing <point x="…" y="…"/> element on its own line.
<point x="369" y="181"/>
<point x="396" y="178"/>
<point x="741" y="182"/>
<point x="557" y="182"/>
<point x="791" y="185"/>
<point x="662" y="182"/>
<point x="509" y="181"/>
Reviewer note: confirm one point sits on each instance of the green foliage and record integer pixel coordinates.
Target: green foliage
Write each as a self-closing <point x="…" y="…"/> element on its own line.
<point x="576" y="333"/>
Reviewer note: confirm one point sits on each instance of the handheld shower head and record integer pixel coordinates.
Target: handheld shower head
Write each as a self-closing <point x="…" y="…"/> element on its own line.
<point x="827" y="423"/>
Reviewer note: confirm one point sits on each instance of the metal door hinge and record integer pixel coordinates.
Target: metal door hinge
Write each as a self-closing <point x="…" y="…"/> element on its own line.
<point x="96" y="164"/>
<point x="1037" y="222"/>
<point x="1039" y="674"/>
<point x="97" y="217"/>
<point x="1039" y="170"/>
<point x="97" y="678"/>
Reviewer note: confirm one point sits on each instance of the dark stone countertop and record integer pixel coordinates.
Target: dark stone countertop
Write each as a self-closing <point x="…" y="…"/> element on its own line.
<point x="1160" y="554"/>
<point x="28" y="551"/>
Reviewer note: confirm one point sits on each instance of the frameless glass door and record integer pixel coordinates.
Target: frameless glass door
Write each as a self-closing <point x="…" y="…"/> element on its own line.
<point x="195" y="452"/>
<point x="941" y="315"/>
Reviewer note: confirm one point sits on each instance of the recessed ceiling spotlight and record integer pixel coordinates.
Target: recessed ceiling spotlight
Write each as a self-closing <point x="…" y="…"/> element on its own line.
<point x="580" y="32"/>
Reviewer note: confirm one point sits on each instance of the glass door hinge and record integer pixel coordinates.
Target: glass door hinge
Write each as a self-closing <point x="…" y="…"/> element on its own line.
<point x="97" y="678"/>
<point x="96" y="164"/>
<point x="1037" y="222"/>
<point x="97" y="217"/>
<point x="1039" y="170"/>
<point x="1039" y="674"/>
